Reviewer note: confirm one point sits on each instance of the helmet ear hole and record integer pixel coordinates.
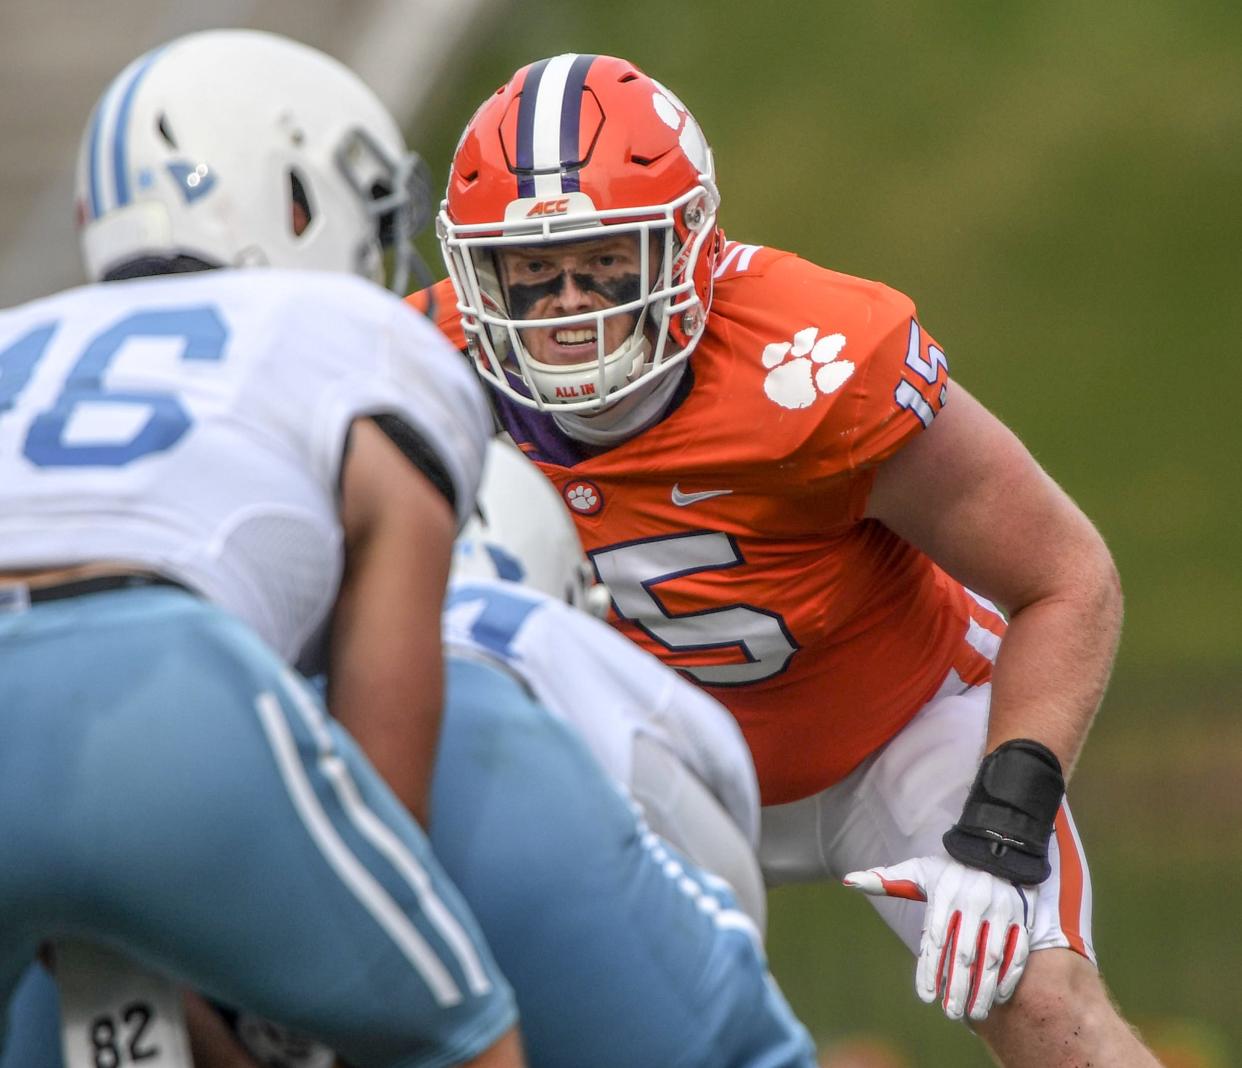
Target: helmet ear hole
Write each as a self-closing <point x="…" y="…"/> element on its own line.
<point x="300" y="211"/>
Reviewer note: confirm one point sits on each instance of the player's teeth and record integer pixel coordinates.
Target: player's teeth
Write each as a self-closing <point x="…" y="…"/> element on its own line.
<point x="574" y="337"/>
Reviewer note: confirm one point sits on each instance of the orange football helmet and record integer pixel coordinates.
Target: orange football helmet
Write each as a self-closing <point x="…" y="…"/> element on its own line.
<point x="572" y="148"/>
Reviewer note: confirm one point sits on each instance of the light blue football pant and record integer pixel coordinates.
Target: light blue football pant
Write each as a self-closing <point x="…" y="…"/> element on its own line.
<point x="621" y="953"/>
<point x="168" y="788"/>
<point x="33" y="1037"/>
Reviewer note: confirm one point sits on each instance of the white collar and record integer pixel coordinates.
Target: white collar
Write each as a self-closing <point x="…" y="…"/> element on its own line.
<point x="629" y="416"/>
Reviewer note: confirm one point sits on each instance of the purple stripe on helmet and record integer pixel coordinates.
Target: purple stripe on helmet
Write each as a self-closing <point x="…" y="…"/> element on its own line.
<point x="525" y="162"/>
<point x="571" y="115"/>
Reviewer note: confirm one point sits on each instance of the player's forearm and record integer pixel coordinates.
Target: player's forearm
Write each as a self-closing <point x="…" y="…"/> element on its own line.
<point x="386" y="679"/>
<point x="212" y="1044"/>
<point x="1055" y="661"/>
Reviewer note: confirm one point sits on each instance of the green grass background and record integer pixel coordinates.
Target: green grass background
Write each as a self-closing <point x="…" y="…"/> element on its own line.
<point x="1057" y="185"/>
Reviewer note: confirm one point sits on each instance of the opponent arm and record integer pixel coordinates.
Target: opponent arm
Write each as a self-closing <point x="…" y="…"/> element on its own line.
<point x="386" y="674"/>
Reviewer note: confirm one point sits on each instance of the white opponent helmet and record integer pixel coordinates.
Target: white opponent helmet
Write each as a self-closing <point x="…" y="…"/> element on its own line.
<point x="522" y="532"/>
<point x="241" y="148"/>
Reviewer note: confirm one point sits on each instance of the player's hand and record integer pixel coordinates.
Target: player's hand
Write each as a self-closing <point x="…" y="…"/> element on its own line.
<point x="976" y="930"/>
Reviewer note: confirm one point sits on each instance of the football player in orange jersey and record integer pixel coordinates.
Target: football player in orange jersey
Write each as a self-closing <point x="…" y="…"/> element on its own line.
<point x="810" y="521"/>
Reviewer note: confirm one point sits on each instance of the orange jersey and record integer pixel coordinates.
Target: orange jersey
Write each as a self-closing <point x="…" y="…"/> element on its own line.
<point x="732" y="535"/>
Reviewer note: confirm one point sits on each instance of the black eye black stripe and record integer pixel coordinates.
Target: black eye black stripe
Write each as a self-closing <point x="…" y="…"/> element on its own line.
<point x="620" y="290"/>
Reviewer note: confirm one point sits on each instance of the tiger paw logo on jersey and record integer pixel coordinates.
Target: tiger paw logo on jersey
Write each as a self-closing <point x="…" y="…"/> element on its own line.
<point x="583" y="497"/>
<point x="804" y="369"/>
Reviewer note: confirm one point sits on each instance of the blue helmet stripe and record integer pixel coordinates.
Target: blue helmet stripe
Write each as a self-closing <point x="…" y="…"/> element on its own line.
<point x="571" y="114"/>
<point x="121" y="129"/>
<point x="525" y="161"/>
<point x="93" y="159"/>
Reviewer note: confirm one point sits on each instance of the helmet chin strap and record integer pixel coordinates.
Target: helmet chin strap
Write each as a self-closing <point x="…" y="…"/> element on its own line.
<point x="620" y="367"/>
<point x="630" y="415"/>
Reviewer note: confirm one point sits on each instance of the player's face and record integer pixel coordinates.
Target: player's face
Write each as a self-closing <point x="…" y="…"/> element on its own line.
<point x="555" y="281"/>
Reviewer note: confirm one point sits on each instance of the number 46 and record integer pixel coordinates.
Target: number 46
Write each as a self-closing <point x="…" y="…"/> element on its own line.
<point x="48" y="443"/>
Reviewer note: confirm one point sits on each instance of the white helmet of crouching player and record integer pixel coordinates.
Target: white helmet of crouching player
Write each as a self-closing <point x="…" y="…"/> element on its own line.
<point x="522" y="532"/>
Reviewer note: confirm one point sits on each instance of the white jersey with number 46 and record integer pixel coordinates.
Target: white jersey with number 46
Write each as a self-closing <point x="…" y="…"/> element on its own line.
<point x="195" y="425"/>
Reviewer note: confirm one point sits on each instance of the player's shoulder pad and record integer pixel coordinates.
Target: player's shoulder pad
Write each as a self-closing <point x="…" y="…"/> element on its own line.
<point x="308" y="297"/>
<point x="738" y="259"/>
<point x="858" y="306"/>
<point x="787" y="296"/>
<point x="439" y="302"/>
<point x="834" y="355"/>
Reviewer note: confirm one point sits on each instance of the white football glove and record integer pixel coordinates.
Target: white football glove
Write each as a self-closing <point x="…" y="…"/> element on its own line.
<point x="976" y="930"/>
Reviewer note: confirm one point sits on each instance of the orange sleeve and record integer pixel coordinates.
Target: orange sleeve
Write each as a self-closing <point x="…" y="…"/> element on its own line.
<point x="901" y="386"/>
<point x="881" y="376"/>
<point x="441" y="301"/>
<point x="845" y="373"/>
<point x="896" y="390"/>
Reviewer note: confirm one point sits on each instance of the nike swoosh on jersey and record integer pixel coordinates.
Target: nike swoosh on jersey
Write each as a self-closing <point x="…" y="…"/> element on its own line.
<point x="682" y="499"/>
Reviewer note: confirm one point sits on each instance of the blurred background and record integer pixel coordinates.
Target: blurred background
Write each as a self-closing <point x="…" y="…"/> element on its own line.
<point x="1057" y="186"/>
